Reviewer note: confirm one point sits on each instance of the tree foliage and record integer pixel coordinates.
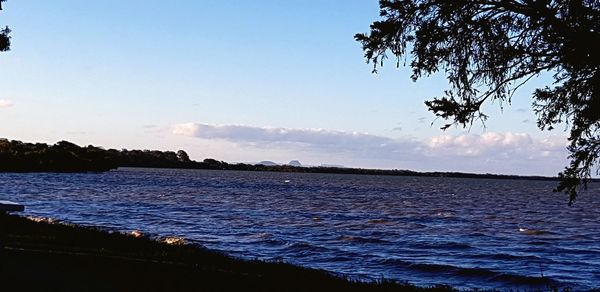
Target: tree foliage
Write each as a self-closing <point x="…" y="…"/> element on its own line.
<point x="65" y="156"/>
<point x="489" y="48"/>
<point x="4" y="35"/>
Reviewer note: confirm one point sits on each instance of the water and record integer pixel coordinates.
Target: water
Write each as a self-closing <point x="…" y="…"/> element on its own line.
<point x="463" y="232"/>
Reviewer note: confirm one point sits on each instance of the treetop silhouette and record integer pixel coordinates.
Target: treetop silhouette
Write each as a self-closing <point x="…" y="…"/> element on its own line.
<point x="490" y="48"/>
<point x="4" y="35"/>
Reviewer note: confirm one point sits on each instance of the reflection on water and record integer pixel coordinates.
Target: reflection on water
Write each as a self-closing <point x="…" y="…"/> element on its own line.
<point x="463" y="232"/>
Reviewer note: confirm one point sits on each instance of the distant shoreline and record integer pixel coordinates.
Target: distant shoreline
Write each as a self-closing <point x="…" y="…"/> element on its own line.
<point x="368" y="171"/>
<point x="17" y="156"/>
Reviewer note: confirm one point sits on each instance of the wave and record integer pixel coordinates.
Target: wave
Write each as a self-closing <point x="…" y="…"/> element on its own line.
<point x="508" y="257"/>
<point x="537" y="242"/>
<point x="361" y="239"/>
<point x="477" y="273"/>
<point x="267" y="238"/>
<point x="535" y="231"/>
<point x="379" y="221"/>
<point x="305" y="247"/>
<point x="441" y="245"/>
<point x="445" y="214"/>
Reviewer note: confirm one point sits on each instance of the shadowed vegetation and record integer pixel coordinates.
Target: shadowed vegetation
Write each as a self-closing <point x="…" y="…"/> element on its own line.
<point x="39" y="256"/>
<point x="489" y="48"/>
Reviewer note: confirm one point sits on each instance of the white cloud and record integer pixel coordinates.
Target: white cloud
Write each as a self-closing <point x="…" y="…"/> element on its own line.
<point x="301" y="137"/>
<point x="504" y="145"/>
<point x="487" y="143"/>
<point x="5" y="103"/>
<point x="509" y="153"/>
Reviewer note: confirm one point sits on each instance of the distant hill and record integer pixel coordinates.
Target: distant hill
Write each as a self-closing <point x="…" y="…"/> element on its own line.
<point x="295" y="163"/>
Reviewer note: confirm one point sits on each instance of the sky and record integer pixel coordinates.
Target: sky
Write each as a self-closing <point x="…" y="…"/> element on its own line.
<point x="244" y="81"/>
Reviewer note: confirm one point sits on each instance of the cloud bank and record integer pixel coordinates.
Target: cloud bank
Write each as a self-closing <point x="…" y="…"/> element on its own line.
<point x="510" y="153"/>
<point x="300" y="137"/>
<point x="5" y="103"/>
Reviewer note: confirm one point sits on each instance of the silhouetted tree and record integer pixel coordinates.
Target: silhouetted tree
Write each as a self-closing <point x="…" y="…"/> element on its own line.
<point x="182" y="156"/>
<point x="489" y="48"/>
<point x="4" y="35"/>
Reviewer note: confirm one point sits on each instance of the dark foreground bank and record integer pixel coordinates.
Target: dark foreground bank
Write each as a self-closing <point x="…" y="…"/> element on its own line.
<point x="40" y="256"/>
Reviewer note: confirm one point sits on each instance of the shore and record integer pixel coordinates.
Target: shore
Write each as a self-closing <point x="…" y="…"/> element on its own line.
<point x="43" y="256"/>
<point x="65" y="156"/>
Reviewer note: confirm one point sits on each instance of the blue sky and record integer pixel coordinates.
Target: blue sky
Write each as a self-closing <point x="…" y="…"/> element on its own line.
<point x="242" y="81"/>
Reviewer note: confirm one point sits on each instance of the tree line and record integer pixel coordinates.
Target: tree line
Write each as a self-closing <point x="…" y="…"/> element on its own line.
<point x="64" y="156"/>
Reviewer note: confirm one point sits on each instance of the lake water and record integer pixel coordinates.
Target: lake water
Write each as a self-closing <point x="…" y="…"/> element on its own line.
<point x="463" y="232"/>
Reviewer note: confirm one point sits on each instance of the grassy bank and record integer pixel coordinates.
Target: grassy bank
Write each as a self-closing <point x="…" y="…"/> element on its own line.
<point x="41" y="256"/>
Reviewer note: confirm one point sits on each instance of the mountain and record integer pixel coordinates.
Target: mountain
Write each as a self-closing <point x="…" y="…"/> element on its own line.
<point x="295" y="163"/>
